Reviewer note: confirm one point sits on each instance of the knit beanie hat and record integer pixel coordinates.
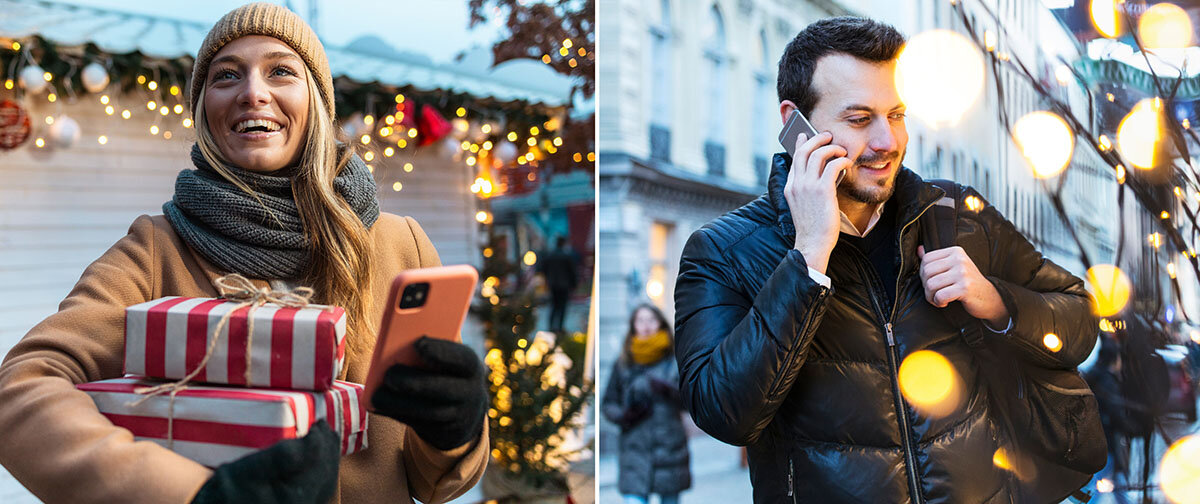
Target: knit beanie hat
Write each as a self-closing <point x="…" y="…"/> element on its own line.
<point x="274" y="21"/>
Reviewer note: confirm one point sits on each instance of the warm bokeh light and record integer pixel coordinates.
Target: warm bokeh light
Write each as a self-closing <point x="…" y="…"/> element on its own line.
<point x="1195" y="335"/>
<point x="1179" y="472"/>
<point x="1052" y="342"/>
<point x="1104" y="17"/>
<point x="1015" y="463"/>
<point x="1105" y="485"/>
<point x="530" y="258"/>
<point x="1165" y="26"/>
<point x="929" y="382"/>
<point x="1110" y="289"/>
<point x="939" y="74"/>
<point x="1046" y="142"/>
<point x="654" y="289"/>
<point x="1140" y="131"/>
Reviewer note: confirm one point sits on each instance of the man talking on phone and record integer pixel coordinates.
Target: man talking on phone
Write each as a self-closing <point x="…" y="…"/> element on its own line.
<point x="795" y="311"/>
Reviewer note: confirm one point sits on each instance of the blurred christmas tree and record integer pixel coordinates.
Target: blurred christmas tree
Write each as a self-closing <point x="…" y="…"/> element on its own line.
<point x="536" y="387"/>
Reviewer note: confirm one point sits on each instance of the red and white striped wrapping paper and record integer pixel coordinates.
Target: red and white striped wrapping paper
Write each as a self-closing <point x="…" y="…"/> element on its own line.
<point x="292" y="348"/>
<point x="214" y="425"/>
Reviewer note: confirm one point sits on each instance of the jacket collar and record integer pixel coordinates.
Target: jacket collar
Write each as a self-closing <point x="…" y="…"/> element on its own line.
<point x="912" y="194"/>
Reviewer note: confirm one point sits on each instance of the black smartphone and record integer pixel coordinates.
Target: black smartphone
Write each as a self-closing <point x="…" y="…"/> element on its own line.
<point x="797" y="124"/>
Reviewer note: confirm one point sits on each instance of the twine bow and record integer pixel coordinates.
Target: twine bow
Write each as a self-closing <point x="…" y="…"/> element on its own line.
<point x="233" y="287"/>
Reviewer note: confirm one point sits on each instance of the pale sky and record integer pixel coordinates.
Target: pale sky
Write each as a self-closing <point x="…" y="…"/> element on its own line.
<point x="435" y="28"/>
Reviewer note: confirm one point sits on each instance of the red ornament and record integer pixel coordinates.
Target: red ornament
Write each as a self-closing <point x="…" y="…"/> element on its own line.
<point x="14" y="125"/>
<point x="432" y="126"/>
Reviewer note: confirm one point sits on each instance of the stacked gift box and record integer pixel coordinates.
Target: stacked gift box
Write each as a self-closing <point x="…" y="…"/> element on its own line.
<point x="269" y="376"/>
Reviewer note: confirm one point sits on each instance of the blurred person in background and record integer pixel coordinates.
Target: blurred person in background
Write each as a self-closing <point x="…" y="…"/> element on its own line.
<point x="561" y="269"/>
<point x="642" y="398"/>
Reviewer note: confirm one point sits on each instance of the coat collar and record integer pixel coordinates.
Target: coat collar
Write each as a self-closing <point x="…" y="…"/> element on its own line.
<point x="912" y="194"/>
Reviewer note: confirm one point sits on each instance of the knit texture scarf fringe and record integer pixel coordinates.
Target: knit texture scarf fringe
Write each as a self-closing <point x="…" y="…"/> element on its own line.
<point x="235" y="232"/>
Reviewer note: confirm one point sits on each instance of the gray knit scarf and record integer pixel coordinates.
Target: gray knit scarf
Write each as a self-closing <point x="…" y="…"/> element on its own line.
<point x="232" y="229"/>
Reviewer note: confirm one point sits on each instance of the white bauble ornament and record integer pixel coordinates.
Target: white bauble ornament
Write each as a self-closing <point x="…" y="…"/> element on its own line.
<point x="94" y="77"/>
<point x="506" y="152"/>
<point x="32" y="79"/>
<point x="450" y="147"/>
<point x="64" y="132"/>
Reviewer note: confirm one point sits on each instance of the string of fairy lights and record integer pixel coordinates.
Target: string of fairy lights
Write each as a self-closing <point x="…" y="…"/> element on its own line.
<point x="484" y="134"/>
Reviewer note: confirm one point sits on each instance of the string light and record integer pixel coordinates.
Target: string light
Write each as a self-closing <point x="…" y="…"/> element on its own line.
<point x="533" y="130"/>
<point x="563" y="51"/>
<point x="1164" y="215"/>
<point x="572" y="63"/>
<point x="102" y="140"/>
<point x="152" y="85"/>
<point x="412" y="133"/>
<point x="546" y="59"/>
<point x="369" y="120"/>
<point x="567" y="43"/>
<point x="558" y="141"/>
<point x="49" y="120"/>
<point x="474" y="148"/>
<point x="48" y="76"/>
<point x="582" y="52"/>
<point x="486" y="128"/>
<point x="40" y="142"/>
<point x="401" y="143"/>
<point x="16" y="46"/>
<point x="52" y="97"/>
<point x="150" y="105"/>
<point x="167" y="134"/>
<point x="178" y="109"/>
<point x="487" y="145"/>
<point x="512" y="136"/>
<point x="369" y="156"/>
<point x="577" y="157"/>
<point x="164" y="110"/>
<point x="125" y="114"/>
<point x="397" y="186"/>
<point x="109" y="110"/>
<point x="154" y="130"/>
<point x="187" y="122"/>
<point x="366" y="139"/>
<point x="470" y="160"/>
<point x="399" y="98"/>
<point x="174" y="90"/>
<point x="8" y="83"/>
<point x="389" y="152"/>
<point x="141" y="79"/>
<point x="591" y="157"/>
<point x="104" y="100"/>
<point x="408" y="167"/>
<point x="390" y="120"/>
<point x="531" y="141"/>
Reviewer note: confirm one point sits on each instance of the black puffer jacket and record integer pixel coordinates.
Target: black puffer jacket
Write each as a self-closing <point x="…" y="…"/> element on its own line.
<point x="805" y="376"/>
<point x="653" y="454"/>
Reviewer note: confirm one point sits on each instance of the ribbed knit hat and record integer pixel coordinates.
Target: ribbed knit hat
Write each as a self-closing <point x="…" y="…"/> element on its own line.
<point x="273" y="21"/>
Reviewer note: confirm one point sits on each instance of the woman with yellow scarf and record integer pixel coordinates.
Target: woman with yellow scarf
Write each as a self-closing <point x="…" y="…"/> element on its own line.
<point x="642" y="398"/>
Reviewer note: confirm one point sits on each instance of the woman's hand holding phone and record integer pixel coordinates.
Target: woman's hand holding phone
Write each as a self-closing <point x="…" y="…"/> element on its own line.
<point x="444" y="399"/>
<point x="811" y="194"/>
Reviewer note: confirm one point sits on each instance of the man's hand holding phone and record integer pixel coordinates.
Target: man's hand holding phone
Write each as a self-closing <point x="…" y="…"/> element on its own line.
<point x="811" y="194"/>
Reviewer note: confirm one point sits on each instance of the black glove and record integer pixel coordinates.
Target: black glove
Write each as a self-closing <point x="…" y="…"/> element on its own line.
<point x="295" y="470"/>
<point x="444" y="400"/>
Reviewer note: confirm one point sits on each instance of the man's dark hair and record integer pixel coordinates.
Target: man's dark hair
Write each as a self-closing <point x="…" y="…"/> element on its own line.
<point x="862" y="38"/>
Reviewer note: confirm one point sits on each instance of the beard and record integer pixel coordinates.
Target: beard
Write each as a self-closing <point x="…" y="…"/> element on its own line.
<point x="874" y="193"/>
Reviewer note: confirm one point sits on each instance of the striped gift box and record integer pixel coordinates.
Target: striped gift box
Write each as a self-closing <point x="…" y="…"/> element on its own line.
<point x="214" y="425"/>
<point x="291" y="348"/>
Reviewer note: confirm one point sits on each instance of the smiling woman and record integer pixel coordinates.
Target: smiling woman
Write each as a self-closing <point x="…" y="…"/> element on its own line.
<point x="275" y="197"/>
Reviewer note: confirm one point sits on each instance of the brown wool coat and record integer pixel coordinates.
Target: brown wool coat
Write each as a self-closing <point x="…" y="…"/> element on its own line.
<point x="56" y="443"/>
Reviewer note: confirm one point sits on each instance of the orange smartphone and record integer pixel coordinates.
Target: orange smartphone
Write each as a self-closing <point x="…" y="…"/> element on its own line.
<point x="422" y="302"/>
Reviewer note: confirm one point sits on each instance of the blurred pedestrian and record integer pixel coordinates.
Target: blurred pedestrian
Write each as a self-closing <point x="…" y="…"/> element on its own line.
<point x="561" y="268"/>
<point x="1104" y="379"/>
<point x="642" y="398"/>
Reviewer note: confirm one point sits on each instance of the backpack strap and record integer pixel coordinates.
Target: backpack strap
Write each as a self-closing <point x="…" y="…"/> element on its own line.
<point x="939" y="229"/>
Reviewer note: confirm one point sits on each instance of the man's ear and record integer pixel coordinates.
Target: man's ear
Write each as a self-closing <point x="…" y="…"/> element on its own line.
<point x="785" y="109"/>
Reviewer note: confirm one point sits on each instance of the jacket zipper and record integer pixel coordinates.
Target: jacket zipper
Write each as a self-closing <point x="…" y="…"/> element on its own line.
<point x="791" y="481"/>
<point x="894" y="357"/>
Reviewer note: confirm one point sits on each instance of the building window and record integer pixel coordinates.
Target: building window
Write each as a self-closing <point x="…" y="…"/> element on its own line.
<point x="715" y="59"/>
<point x="657" y="281"/>
<point x="760" y="112"/>
<point x="659" y="73"/>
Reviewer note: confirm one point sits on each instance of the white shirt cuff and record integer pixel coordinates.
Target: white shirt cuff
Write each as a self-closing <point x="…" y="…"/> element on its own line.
<point x="819" y="277"/>
<point x="1002" y="331"/>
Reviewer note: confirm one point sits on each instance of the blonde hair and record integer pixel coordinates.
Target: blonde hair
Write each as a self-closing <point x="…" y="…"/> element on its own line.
<point x="339" y="269"/>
